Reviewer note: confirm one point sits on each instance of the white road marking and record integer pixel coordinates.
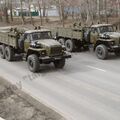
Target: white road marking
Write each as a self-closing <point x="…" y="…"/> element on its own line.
<point x="96" y="68"/>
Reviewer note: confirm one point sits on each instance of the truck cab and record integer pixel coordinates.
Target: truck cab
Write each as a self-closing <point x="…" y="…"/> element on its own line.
<point x="31" y="37"/>
<point x="36" y="46"/>
<point x="104" y="39"/>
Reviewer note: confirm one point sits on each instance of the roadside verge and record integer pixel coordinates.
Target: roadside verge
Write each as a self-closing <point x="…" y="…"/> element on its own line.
<point x="15" y="104"/>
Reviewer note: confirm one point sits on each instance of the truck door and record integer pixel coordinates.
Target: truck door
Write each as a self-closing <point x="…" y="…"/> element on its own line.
<point x="93" y="35"/>
<point x="27" y="42"/>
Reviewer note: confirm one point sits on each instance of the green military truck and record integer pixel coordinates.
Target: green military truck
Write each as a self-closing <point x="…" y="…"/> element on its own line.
<point x="71" y="38"/>
<point x="36" y="47"/>
<point x="101" y="37"/>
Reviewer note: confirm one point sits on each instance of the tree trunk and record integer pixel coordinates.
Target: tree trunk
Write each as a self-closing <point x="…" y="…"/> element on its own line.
<point x="1" y="11"/>
<point x="44" y="8"/>
<point x="61" y="11"/>
<point x="22" y="16"/>
<point x="31" y="18"/>
<point x="6" y="12"/>
<point x="73" y="15"/>
<point x="41" y="21"/>
<point x="6" y="15"/>
<point x="11" y="13"/>
<point x="98" y="11"/>
<point x="106" y="16"/>
<point x="88" y="13"/>
<point x="118" y="2"/>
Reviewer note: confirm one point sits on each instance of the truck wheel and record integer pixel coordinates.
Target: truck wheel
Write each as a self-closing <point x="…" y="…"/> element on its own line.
<point x="33" y="63"/>
<point x="69" y="44"/>
<point x="2" y="51"/>
<point x="101" y="52"/>
<point x="61" y="41"/>
<point x="59" y="63"/>
<point x="9" y="53"/>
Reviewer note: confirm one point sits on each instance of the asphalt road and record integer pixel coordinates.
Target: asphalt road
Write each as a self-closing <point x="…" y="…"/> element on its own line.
<point x="86" y="89"/>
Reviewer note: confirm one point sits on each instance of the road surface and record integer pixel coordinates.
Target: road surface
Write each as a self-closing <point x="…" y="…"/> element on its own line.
<point x="86" y="89"/>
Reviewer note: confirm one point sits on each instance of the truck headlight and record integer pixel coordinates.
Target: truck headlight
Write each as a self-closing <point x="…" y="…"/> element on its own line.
<point x="63" y="48"/>
<point x="106" y="36"/>
<point x="43" y="53"/>
<point x="112" y="43"/>
<point x="35" y="45"/>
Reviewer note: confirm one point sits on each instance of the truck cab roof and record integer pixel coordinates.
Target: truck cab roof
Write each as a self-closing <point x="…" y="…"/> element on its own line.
<point x="33" y="31"/>
<point x="100" y="25"/>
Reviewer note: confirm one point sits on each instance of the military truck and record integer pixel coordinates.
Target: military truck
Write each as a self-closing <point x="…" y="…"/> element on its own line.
<point x="71" y="38"/>
<point x="102" y="38"/>
<point x="36" y="47"/>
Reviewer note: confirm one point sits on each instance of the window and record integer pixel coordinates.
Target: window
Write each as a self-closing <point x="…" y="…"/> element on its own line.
<point x="41" y="35"/>
<point x="106" y="29"/>
<point x="94" y="30"/>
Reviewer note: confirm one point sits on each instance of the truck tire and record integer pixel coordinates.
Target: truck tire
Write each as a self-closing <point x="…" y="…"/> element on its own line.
<point x="101" y="52"/>
<point x="61" y="41"/>
<point x="9" y="53"/>
<point x="2" y="51"/>
<point x="69" y="44"/>
<point x="59" y="63"/>
<point x="33" y="63"/>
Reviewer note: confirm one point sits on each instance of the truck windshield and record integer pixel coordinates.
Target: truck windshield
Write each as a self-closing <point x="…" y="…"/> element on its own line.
<point x="41" y="35"/>
<point x="106" y="29"/>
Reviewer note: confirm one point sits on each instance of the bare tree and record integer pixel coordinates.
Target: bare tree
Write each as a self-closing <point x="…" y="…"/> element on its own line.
<point x="88" y="11"/>
<point x="5" y="11"/>
<point x="106" y="15"/>
<point x="98" y="11"/>
<point x="40" y="10"/>
<point x="1" y="12"/>
<point x="22" y="16"/>
<point x="44" y="8"/>
<point x="61" y="11"/>
<point x="118" y="8"/>
<point x="30" y="14"/>
<point x="11" y="9"/>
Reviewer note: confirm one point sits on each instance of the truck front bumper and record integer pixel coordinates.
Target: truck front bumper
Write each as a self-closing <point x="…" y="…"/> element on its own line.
<point x="54" y="58"/>
<point x="114" y="48"/>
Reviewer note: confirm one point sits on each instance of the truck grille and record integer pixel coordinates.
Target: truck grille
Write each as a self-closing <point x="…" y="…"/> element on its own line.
<point x="56" y="50"/>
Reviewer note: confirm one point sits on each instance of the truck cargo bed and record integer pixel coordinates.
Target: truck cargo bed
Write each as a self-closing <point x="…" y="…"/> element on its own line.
<point x="8" y="39"/>
<point x="72" y="33"/>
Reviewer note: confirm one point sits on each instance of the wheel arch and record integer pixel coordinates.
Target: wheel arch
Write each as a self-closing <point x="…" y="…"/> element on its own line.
<point x="30" y="52"/>
<point x="101" y="42"/>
